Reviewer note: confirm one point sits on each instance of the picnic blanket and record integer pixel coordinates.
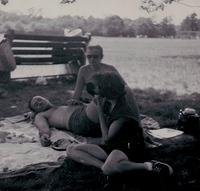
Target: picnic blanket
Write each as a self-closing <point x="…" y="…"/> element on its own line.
<point x="20" y="145"/>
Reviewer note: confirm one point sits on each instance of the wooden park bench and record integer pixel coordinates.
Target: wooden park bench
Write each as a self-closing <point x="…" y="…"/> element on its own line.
<point x="43" y="50"/>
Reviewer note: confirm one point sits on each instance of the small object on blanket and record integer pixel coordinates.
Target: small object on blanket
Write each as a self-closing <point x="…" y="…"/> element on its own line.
<point x="19" y="118"/>
<point x="62" y="144"/>
<point x="3" y="136"/>
<point x="164" y="133"/>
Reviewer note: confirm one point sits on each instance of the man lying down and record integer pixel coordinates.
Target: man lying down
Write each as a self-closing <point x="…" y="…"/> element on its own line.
<point x="122" y="118"/>
<point x="74" y="118"/>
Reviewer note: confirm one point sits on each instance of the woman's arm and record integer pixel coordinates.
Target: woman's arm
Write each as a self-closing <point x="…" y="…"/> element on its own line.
<point x="104" y="128"/>
<point x="109" y="134"/>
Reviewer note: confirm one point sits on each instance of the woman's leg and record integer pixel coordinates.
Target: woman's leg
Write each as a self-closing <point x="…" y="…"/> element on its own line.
<point x="118" y="162"/>
<point x="88" y="154"/>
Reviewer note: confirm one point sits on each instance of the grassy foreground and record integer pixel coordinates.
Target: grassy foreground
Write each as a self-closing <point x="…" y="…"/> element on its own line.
<point x="163" y="106"/>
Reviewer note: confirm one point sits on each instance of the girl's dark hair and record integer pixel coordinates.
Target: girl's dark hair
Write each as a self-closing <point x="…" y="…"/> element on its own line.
<point x="110" y="85"/>
<point x="90" y="87"/>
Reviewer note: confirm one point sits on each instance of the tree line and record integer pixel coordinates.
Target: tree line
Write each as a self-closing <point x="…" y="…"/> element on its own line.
<point x="112" y="26"/>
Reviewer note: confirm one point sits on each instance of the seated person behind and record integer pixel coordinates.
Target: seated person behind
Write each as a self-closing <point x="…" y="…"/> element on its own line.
<point x="94" y="55"/>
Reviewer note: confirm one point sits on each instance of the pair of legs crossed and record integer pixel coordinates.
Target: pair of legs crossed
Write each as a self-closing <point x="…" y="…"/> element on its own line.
<point x="114" y="163"/>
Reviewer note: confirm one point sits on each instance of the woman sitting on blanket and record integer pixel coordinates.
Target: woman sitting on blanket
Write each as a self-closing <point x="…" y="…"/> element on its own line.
<point x="122" y="146"/>
<point x="117" y="124"/>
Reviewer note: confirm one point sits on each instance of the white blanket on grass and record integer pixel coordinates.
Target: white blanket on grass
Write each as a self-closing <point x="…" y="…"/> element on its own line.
<point x="20" y="145"/>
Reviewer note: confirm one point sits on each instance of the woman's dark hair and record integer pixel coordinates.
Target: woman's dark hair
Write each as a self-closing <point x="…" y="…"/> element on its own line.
<point x="90" y="87"/>
<point x="110" y="85"/>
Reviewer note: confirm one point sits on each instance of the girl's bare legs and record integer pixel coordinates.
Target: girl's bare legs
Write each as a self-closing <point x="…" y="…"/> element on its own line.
<point x="88" y="154"/>
<point x="118" y="162"/>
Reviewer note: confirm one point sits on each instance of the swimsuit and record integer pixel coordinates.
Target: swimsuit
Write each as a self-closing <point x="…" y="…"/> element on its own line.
<point x="80" y="124"/>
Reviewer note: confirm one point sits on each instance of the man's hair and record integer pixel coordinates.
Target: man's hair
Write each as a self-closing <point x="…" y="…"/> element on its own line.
<point x="97" y="47"/>
<point x="110" y="85"/>
<point x="32" y="109"/>
<point x="29" y="105"/>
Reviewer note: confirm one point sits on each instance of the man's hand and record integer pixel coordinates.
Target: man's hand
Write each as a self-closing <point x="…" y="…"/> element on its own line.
<point x="45" y="140"/>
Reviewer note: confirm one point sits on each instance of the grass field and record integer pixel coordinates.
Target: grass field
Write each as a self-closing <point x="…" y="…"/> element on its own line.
<point x="155" y="68"/>
<point x="163" y="64"/>
<point x="161" y="105"/>
<point x="164" y="106"/>
<point x="169" y="64"/>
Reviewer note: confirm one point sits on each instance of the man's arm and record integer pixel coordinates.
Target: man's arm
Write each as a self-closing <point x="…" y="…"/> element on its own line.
<point x="79" y="85"/>
<point x="44" y="132"/>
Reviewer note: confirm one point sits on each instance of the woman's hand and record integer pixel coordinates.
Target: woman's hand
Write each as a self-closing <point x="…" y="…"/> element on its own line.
<point x="99" y="101"/>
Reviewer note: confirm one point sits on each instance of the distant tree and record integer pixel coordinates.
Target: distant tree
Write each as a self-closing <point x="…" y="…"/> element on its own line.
<point x="129" y="29"/>
<point x="113" y="26"/>
<point x="190" y="23"/>
<point x="166" y="27"/>
<point x="94" y="26"/>
<point x="145" y="27"/>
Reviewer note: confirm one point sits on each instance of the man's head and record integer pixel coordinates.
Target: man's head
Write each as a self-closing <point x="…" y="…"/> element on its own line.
<point x="39" y="104"/>
<point x="108" y="84"/>
<point x="94" y="54"/>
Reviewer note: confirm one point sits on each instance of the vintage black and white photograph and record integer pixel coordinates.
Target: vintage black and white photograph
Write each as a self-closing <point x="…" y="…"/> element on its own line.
<point x="99" y="95"/>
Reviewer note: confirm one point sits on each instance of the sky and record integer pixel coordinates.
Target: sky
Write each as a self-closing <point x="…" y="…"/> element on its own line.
<point x="100" y="9"/>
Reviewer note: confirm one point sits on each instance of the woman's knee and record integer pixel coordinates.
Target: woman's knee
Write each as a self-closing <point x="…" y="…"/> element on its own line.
<point x="118" y="154"/>
<point x="73" y="148"/>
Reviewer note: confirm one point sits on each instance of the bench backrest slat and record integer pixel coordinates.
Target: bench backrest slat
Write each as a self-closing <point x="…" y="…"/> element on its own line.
<point x="49" y="44"/>
<point x="21" y="36"/>
<point x="34" y="49"/>
<point x="45" y="52"/>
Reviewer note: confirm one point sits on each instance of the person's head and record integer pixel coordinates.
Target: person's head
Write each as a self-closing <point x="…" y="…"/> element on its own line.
<point x="39" y="104"/>
<point x="94" y="54"/>
<point x="108" y="84"/>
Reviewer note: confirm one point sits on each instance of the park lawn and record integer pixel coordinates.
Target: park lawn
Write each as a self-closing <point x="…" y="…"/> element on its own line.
<point x="163" y="106"/>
